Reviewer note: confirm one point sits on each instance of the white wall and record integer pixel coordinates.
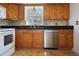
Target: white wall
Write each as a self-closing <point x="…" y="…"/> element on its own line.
<point x="76" y="39"/>
<point x="74" y="13"/>
<point x="74" y="16"/>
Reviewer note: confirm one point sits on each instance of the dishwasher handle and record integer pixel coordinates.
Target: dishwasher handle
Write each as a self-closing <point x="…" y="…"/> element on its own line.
<point x="50" y="30"/>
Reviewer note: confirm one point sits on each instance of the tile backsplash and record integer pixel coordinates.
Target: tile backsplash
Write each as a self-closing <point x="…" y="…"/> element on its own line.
<point x="3" y="22"/>
<point x="23" y="22"/>
<point x="12" y="23"/>
<point x="55" y="22"/>
<point x="17" y="23"/>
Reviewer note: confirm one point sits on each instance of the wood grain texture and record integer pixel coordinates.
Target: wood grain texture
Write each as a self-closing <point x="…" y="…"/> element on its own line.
<point x="38" y="39"/>
<point x="62" y="39"/>
<point x="66" y="11"/>
<point x="29" y="39"/>
<point x="12" y="12"/>
<point x="56" y="11"/>
<point x="53" y="11"/>
<point x="23" y="39"/>
<point x="59" y="11"/>
<point x="66" y="39"/>
<point x="69" y="38"/>
<point x="46" y="11"/>
<point x="21" y="12"/>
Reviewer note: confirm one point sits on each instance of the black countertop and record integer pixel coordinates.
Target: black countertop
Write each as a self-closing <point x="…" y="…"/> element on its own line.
<point x="39" y="27"/>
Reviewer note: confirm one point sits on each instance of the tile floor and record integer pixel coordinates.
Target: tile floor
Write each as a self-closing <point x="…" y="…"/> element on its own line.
<point x="44" y="52"/>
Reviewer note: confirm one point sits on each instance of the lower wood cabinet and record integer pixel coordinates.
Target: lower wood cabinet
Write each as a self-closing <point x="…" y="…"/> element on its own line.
<point x="29" y="39"/>
<point x="69" y="38"/>
<point x="65" y="39"/>
<point x="61" y="39"/>
<point x="38" y="39"/>
<point x="23" y="39"/>
<point x="35" y="39"/>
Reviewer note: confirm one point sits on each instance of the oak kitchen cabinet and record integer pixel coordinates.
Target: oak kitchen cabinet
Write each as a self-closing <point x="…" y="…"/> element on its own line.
<point x="21" y="12"/>
<point x="23" y="39"/>
<point x="46" y="11"/>
<point x="29" y="39"/>
<point x="65" y="8"/>
<point x="35" y="39"/>
<point x="56" y="11"/>
<point x="14" y="11"/>
<point x="65" y="39"/>
<point x="51" y="11"/>
<point x="38" y="39"/>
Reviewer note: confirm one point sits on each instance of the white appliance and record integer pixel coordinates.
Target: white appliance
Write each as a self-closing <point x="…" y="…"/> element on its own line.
<point x="7" y="42"/>
<point x="2" y="12"/>
<point x="34" y="15"/>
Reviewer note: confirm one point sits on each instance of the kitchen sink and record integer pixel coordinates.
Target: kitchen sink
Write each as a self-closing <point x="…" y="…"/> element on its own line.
<point x="34" y="26"/>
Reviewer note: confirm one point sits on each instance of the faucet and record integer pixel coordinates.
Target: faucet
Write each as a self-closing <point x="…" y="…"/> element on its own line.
<point x="56" y="24"/>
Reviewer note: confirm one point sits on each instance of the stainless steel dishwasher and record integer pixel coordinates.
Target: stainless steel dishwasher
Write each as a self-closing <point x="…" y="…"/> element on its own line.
<point x="50" y="38"/>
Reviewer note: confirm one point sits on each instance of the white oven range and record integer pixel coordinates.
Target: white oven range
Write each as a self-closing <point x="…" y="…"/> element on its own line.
<point x="7" y="42"/>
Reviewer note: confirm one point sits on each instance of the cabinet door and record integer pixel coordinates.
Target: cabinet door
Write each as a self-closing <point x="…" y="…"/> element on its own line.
<point x="23" y="39"/>
<point x="38" y="39"/>
<point x="20" y="12"/>
<point x="41" y="39"/>
<point x="27" y="38"/>
<point x="35" y="38"/>
<point x="59" y="11"/>
<point x="62" y="39"/>
<point x="69" y="38"/>
<point x="65" y="38"/>
<point x="53" y="11"/>
<point x="18" y="38"/>
<point x="46" y="11"/>
<point x="65" y="11"/>
<point x="12" y="12"/>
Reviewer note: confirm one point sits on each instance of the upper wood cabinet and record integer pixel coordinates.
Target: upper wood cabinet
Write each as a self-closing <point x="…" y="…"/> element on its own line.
<point x="46" y="11"/>
<point x="53" y="11"/>
<point x="14" y="11"/>
<point x="65" y="11"/>
<point x="20" y="12"/>
<point x="56" y="11"/>
<point x="59" y="13"/>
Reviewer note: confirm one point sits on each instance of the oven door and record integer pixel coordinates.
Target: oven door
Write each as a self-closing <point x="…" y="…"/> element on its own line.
<point x="8" y="39"/>
<point x="7" y="42"/>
